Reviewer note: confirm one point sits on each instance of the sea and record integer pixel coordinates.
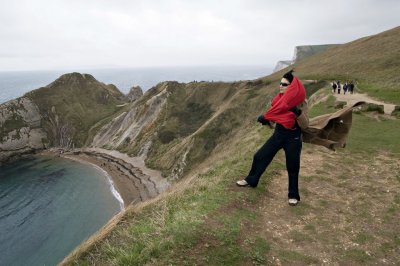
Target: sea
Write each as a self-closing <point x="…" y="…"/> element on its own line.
<point x="14" y="84"/>
<point x="49" y="205"/>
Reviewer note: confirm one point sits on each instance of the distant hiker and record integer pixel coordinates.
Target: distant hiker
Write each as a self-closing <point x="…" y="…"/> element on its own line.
<point x="334" y="86"/>
<point x="345" y="87"/>
<point x="338" y="87"/>
<point x="287" y="136"/>
<point x="351" y="87"/>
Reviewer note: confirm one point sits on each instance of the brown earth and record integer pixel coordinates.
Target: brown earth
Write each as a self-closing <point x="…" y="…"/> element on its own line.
<point x="345" y="212"/>
<point x="348" y="214"/>
<point x="356" y="97"/>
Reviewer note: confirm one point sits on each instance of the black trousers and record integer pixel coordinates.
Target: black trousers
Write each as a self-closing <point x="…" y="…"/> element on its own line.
<point x="290" y="141"/>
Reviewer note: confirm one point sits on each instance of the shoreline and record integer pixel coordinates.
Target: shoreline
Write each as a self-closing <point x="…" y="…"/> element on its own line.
<point x="132" y="181"/>
<point x="113" y="189"/>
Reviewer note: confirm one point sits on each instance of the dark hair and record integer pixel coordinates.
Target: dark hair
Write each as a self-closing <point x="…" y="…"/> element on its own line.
<point x="289" y="76"/>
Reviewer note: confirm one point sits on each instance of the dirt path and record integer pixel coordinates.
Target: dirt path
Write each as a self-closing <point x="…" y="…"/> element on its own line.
<point x="346" y="213"/>
<point x="349" y="98"/>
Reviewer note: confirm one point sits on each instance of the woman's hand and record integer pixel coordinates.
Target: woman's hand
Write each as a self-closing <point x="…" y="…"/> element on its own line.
<point x="296" y="111"/>
<point x="261" y="119"/>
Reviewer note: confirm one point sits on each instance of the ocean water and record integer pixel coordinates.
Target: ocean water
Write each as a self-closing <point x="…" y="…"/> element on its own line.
<point x="48" y="206"/>
<point x="14" y="84"/>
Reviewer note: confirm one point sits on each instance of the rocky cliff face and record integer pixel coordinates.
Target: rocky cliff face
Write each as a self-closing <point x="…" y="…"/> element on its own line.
<point x="134" y="94"/>
<point x="302" y="52"/>
<point x="20" y="128"/>
<point x="58" y="115"/>
<point x="282" y="64"/>
<point x="127" y="126"/>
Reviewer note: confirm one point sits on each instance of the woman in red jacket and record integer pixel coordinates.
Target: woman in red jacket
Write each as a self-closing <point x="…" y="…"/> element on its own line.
<point x="287" y="136"/>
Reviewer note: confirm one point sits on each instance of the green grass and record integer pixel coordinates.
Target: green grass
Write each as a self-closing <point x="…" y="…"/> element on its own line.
<point x="313" y="87"/>
<point x="364" y="238"/>
<point x="259" y="249"/>
<point x="323" y="107"/>
<point x="387" y="93"/>
<point x="369" y="136"/>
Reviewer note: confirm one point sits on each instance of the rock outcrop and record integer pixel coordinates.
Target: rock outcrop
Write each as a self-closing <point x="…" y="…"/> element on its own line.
<point x="282" y="64"/>
<point x="60" y="114"/>
<point x="21" y="132"/>
<point x="304" y="51"/>
<point x="128" y="125"/>
<point x="134" y="94"/>
<point x="301" y="52"/>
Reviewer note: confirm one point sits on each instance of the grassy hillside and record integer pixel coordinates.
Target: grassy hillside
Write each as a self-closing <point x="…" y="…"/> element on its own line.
<point x="350" y="199"/>
<point x="196" y="117"/>
<point x="347" y="215"/>
<point x="72" y="104"/>
<point x="372" y="62"/>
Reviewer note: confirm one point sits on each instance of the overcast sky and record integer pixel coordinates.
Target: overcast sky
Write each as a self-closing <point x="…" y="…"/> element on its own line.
<point x="67" y="34"/>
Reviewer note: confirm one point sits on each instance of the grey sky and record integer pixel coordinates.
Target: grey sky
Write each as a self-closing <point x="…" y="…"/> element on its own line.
<point x="57" y="34"/>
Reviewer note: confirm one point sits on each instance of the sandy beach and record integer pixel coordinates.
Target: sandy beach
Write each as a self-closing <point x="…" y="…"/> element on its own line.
<point x="132" y="179"/>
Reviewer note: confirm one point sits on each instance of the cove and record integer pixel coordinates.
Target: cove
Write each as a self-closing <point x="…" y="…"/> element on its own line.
<point x="48" y="206"/>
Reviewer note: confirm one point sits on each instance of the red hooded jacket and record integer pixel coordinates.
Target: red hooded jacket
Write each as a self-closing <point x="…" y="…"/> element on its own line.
<point x="283" y="102"/>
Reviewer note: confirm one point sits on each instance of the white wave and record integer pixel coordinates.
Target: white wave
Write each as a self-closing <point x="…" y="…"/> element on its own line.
<point x="112" y="187"/>
<point x="114" y="191"/>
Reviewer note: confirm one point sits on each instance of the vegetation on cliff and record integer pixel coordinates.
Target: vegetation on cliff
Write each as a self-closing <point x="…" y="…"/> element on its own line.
<point x="350" y="204"/>
<point x="347" y="215"/>
<point x="72" y="104"/>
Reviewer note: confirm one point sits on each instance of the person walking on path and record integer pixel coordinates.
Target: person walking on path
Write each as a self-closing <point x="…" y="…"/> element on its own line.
<point x="338" y="87"/>
<point x="345" y="88"/>
<point x="351" y="86"/>
<point x="287" y="136"/>
<point x="334" y="86"/>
